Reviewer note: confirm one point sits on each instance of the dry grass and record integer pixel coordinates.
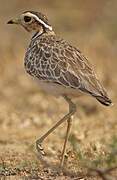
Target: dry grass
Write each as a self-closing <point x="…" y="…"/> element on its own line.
<point x="26" y="112"/>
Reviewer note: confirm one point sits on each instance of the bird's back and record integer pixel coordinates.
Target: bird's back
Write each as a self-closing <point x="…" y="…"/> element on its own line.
<point x="52" y="60"/>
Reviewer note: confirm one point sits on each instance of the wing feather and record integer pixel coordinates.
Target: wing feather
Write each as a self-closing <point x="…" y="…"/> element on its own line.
<point x="56" y="61"/>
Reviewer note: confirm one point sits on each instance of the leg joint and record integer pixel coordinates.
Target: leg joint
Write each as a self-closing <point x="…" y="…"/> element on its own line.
<point x="72" y="108"/>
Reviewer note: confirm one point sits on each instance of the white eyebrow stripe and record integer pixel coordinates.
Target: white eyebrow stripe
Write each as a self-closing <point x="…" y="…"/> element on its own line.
<point x="39" y="20"/>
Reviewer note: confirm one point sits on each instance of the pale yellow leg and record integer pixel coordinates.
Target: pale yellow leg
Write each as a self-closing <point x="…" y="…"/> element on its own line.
<point x="72" y="110"/>
<point x="69" y="121"/>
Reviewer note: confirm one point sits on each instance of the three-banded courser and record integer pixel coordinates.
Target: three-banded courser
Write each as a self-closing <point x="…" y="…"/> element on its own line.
<point x="60" y="68"/>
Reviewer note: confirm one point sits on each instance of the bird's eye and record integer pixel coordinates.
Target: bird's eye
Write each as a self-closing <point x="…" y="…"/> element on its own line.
<point x="27" y="19"/>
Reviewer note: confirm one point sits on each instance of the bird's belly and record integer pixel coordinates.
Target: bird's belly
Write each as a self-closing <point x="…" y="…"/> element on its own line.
<point x="58" y="90"/>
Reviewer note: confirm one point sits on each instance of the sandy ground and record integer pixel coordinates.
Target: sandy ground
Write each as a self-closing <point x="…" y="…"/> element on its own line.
<point x="26" y="112"/>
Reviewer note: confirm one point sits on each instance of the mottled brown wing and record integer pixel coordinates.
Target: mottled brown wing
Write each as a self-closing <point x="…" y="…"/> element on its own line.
<point x="54" y="60"/>
<point x="80" y="74"/>
<point x="72" y="69"/>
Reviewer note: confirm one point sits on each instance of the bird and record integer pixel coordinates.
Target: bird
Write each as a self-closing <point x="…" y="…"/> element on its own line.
<point x="59" y="68"/>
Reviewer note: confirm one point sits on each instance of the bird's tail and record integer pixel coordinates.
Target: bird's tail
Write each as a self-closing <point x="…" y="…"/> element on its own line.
<point x="104" y="100"/>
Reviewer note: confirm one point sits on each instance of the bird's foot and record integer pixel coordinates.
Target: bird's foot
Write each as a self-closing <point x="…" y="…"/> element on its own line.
<point x="40" y="148"/>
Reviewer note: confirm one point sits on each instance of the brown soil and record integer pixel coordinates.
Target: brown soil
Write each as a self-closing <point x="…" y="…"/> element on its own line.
<point x="26" y="112"/>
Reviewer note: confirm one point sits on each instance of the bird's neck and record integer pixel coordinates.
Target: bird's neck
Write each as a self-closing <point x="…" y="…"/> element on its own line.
<point x="48" y="32"/>
<point x="39" y="33"/>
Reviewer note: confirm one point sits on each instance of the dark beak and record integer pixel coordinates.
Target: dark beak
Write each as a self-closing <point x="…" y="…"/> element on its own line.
<point x="14" y="21"/>
<point x="10" y="22"/>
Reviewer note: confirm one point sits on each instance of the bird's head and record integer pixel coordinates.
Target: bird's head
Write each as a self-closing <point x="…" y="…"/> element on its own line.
<point x="32" y="22"/>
